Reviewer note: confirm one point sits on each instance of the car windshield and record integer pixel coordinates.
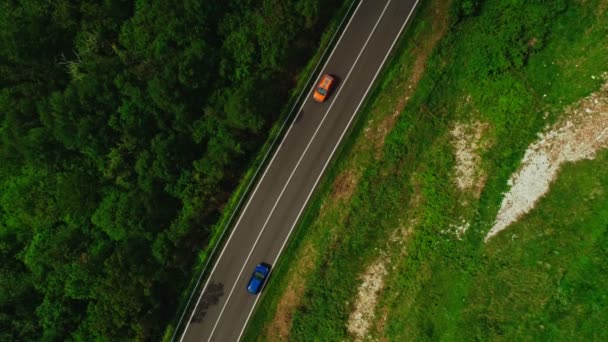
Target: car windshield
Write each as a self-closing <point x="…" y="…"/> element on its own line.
<point x="321" y="91"/>
<point x="258" y="275"/>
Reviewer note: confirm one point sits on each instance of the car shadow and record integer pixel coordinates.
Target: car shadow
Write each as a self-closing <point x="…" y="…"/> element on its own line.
<point x="211" y="297"/>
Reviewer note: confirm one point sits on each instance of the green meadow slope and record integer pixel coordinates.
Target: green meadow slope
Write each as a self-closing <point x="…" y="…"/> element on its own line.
<point x="392" y="247"/>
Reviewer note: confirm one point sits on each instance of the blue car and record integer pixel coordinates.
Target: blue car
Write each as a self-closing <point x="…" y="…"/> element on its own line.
<point x="258" y="278"/>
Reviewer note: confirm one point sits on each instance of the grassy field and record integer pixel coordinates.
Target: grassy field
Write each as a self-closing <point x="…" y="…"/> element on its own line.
<point x="390" y="199"/>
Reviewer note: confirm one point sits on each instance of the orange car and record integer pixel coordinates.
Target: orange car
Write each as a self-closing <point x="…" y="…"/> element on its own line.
<point x="323" y="88"/>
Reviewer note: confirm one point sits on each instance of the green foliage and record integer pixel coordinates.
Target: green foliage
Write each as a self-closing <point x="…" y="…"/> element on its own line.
<point x="548" y="282"/>
<point x="510" y="59"/>
<point x="460" y="9"/>
<point x="124" y="126"/>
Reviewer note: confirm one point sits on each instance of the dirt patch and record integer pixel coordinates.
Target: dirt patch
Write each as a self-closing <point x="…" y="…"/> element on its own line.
<point x="467" y="140"/>
<point x="291" y="298"/>
<point x="360" y="320"/>
<point x="363" y="323"/>
<point x="364" y="317"/>
<point x="582" y="132"/>
<point x="602" y="7"/>
<point x="344" y="185"/>
<point x="384" y="127"/>
<point x="400" y="236"/>
<point x="381" y="324"/>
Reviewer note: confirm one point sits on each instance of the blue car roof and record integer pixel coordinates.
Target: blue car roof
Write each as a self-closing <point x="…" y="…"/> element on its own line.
<point x="262" y="268"/>
<point x="255" y="284"/>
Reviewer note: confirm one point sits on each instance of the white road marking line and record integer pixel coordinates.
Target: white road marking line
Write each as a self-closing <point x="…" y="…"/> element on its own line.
<point x="296" y="168"/>
<point x="327" y="163"/>
<point x="273" y="157"/>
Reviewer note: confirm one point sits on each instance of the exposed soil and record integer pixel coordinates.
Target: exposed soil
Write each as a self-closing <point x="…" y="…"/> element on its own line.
<point x="344" y="185"/>
<point x="580" y="134"/>
<point x="467" y="140"/>
<point x="532" y="42"/>
<point x="470" y="178"/>
<point x="360" y="320"/>
<point x="363" y="318"/>
<point x="602" y="7"/>
<point x="291" y="298"/>
<point x="381" y="324"/>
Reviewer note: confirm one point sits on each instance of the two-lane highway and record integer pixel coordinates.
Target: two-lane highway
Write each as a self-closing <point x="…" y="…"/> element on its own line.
<point x="276" y="203"/>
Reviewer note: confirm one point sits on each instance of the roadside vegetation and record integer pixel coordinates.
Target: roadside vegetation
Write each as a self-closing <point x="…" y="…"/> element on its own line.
<point x="415" y="191"/>
<point x="124" y="128"/>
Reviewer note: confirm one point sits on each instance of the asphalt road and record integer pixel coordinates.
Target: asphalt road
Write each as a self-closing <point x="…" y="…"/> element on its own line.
<point x="273" y="209"/>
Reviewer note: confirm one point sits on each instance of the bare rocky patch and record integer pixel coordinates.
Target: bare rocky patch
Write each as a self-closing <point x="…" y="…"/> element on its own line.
<point x="459" y="229"/>
<point x="363" y="320"/>
<point x="580" y="134"/>
<point x="469" y="143"/>
<point x="467" y="140"/>
<point x="363" y="316"/>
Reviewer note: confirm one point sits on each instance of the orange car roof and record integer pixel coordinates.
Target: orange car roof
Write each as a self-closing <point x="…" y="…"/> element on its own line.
<point x="326" y="80"/>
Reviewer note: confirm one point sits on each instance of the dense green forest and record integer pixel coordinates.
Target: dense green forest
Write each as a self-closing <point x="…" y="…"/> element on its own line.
<point x="124" y="127"/>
